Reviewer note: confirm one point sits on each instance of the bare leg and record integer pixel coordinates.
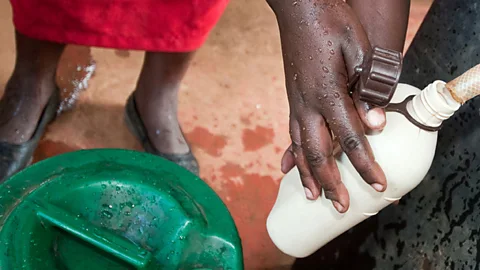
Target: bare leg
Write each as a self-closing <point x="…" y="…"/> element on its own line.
<point x="29" y="88"/>
<point x="156" y="98"/>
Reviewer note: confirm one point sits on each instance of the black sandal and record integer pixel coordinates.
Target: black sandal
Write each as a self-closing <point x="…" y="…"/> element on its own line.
<point x="15" y="157"/>
<point x="136" y="126"/>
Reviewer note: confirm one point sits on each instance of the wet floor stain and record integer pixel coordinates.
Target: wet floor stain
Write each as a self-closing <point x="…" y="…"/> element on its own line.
<point x="210" y="143"/>
<point x="254" y="139"/>
<point x="75" y="69"/>
<point x="231" y="170"/>
<point x="250" y="197"/>
<point x="48" y="148"/>
<point x="122" y="53"/>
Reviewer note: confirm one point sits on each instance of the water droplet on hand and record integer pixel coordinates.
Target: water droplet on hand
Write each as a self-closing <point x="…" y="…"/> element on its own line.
<point x="324" y="85"/>
<point x="320" y="50"/>
<point x="295" y="76"/>
<point x="337" y="95"/>
<point x="332" y="52"/>
<point x="329" y="43"/>
<point x="310" y="57"/>
<point x="325" y="95"/>
<point x="332" y="103"/>
<point x="325" y="69"/>
<point x="295" y="3"/>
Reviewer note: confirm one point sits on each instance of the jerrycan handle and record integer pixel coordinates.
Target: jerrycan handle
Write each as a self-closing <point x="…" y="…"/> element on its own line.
<point x="101" y="238"/>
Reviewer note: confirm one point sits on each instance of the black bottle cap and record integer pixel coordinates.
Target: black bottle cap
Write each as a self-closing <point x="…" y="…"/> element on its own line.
<point x="377" y="78"/>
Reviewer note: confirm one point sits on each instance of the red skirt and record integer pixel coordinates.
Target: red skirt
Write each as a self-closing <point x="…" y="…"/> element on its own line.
<point x="151" y="25"/>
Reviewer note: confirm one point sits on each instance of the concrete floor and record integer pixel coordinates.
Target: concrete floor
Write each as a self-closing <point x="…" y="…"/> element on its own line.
<point x="233" y="109"/>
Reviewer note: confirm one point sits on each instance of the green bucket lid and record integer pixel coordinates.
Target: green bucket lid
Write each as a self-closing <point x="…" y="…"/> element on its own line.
<point x="114" y="209"/>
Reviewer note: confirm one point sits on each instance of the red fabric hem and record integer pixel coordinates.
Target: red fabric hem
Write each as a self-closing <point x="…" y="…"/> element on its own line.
<point x="111" y="42"/>
<point x="150" y="25"/>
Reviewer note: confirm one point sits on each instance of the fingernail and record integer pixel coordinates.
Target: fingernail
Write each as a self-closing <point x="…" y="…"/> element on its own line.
<point x="375" y="118"/>
<point x="338" y="206"/>
<point x="308" y="193"/>
<point x="377" y="187"/>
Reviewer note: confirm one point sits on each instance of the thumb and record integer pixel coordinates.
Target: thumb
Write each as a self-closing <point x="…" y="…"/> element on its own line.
<point x="355" y="47"/>
<point x="373" y="117"/>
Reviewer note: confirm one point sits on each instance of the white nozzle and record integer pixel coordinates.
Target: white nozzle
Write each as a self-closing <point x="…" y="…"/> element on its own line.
<point x="433" y="105"/>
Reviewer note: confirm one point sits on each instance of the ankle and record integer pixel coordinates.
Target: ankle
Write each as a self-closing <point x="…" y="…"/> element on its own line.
<point x="25" y="96"/>
<point x="163" y="103"/>
<point x="38" y="86"/>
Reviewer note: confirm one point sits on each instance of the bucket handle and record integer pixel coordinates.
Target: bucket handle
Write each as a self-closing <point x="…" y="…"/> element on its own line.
<point x="101" y="238"/>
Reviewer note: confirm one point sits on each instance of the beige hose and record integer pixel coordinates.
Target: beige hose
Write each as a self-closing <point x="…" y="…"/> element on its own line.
<point x="467" y="86"/>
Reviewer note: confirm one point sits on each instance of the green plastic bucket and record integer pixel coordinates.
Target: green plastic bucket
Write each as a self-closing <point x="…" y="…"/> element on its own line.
<point x="114" y="209"/>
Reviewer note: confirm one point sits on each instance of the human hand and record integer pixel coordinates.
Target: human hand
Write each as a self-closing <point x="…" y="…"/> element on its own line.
<point x="322" y="43"/>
